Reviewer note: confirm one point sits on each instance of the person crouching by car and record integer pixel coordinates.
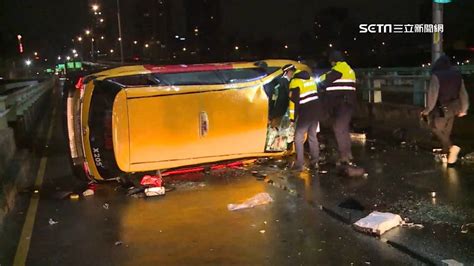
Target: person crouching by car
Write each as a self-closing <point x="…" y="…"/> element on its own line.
<point x="305" y="111"/>
<point x="447" y="98"/>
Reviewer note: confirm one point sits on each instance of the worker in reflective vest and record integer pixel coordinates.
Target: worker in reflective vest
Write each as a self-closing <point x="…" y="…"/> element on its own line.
<point x="338" y="92"/>
<point x="304" y="111"/>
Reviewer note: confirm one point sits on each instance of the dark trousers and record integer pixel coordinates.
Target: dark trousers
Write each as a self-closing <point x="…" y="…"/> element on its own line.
<point x="442" y="127"/>
<point x="341" y="116"/>
<point x="306" y="126"/>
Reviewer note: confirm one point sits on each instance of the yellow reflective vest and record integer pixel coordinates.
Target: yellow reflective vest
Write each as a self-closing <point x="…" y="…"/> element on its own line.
<point x="308" y="92"/>
<point x="346" y="83"/>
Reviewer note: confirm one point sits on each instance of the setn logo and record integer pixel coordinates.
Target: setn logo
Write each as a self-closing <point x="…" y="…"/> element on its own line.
<point x="375" y="28"/>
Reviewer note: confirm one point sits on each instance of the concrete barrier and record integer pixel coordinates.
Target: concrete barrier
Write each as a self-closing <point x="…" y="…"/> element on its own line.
<point x="20" y="112"/>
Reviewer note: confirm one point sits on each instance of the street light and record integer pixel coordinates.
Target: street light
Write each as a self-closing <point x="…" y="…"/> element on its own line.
<point x="119" y="25"/>
<point x="102" y="37"/>
<point x="95" y="7"/>
<point x="146" y="45"/>
<point x="74" y="51"/>
<point x="111" y="51"/>
<point x="79" y="38"/>
<point x="28" y="62"/>
<point x="68" y="58"/>
<point x="101" y="20"/>
<point x="88" y="32"/>
<point x="59" y="57"/>
<point x="135" y="42"/>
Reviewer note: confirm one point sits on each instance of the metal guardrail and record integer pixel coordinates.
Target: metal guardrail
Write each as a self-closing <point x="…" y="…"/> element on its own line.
<point x="14" y="104"/>
<point x="401" y="85"/>
<point x="394" y="87"/>
<point x="466" y="69"/>
<point x="16" y="85"/>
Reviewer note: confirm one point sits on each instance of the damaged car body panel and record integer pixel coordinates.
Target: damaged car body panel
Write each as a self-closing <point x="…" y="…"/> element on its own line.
<point x="149" y="118"/>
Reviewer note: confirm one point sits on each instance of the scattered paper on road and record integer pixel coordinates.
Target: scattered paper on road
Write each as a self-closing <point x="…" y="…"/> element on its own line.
<point x="259" y="199"/>
<point x="378" y="222"/>
<point x="52" y="222"/>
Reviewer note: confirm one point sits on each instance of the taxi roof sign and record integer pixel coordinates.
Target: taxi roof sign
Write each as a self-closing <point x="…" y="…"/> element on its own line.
<point x="442" y="1"/>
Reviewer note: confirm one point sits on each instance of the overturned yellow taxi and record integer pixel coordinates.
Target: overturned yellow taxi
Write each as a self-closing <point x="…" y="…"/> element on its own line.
<point x="145" y="118"/>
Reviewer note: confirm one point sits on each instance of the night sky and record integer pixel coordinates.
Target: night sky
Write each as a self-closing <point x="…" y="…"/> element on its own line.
<point x="49" y="25"/>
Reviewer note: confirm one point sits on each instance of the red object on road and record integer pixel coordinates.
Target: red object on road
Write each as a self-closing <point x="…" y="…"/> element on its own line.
<point x="92" y="186"/>
<point x="201" y="169"/>
<point x="151" y="181"/>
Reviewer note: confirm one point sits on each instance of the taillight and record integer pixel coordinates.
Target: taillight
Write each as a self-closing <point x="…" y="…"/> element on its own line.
<point x="86" y="169"/>
<point x="80" y="83"/>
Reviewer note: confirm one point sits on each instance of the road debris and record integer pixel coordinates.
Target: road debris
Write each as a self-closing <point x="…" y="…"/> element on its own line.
<point x="151" y="181"/>
<point x="52" y="222"/>
<point x="105" y="206"/>
<point x="465" y="228"/>
<point x="135" y="190"/>
<point x="261" y="176"/>
<point x="378" y="222"/>
<point x="358" y="137"/>
<point x="155" y="191"/>
<point x="412" y="225"/>
<point x="259" y="199"/>
<point x="74" y="196"/>
<point x="118" y="243"/>
<point x="88" y="192"/>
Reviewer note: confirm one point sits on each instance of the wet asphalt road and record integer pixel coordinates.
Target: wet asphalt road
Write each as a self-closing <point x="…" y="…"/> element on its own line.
<point x="191" y="225"/>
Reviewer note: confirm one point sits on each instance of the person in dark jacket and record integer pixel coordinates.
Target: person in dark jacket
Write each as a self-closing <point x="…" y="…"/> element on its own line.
<point x="279" y="99"/>
<point x="447" y="98"/>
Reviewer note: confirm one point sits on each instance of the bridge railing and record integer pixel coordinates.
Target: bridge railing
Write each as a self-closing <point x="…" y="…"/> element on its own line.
<point x="408" y="87"/>
<point x="402" y="85"/>
<point x="21" y="103"/>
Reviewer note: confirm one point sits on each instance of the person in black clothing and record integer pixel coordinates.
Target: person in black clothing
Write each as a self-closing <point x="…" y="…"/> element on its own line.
<point x="446" y="99"/>
<point x="279" y="99"/>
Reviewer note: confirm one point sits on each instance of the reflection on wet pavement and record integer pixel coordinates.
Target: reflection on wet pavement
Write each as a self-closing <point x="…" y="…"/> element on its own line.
<point x="404" y="180"/>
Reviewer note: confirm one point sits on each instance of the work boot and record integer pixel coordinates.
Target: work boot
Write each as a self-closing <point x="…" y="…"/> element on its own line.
<point x="453" y="154"/>
<point x="297" y="167"/>
<point x="442" y="158"/>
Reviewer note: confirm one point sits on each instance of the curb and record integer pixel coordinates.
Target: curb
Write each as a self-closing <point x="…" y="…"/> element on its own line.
<point x="16" y="178"/>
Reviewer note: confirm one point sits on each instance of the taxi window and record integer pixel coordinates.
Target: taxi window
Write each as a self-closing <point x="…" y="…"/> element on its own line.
<point x="242" y="74"/>
<point x="189" y="78"/>
<point x="135" y="80"/>
<point x="213" y="77"/>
